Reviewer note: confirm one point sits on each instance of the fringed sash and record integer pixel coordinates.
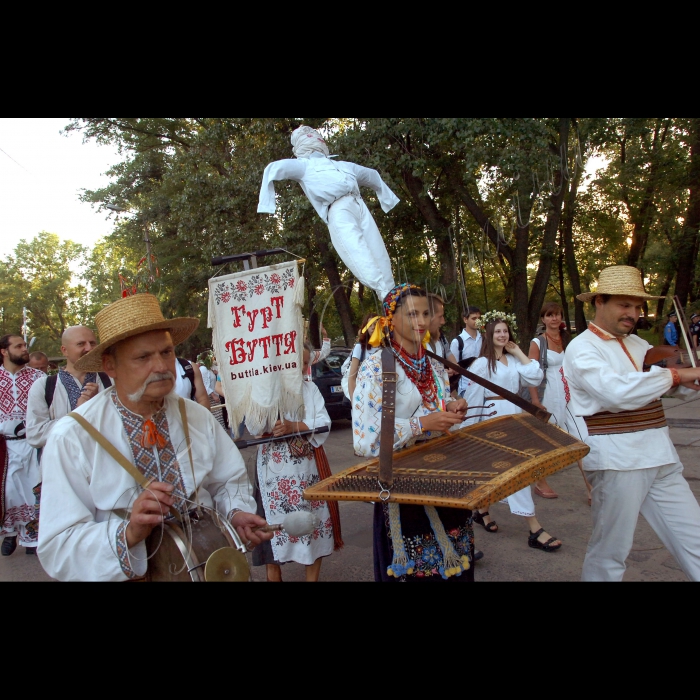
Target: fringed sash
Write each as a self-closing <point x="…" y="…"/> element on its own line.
<point x="647" y="418"/>
<point x="324" y="472"/>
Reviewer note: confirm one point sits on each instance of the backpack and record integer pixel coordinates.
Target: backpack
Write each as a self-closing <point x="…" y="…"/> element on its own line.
<point x="189" y="374"/>
<point x="454" y="381"/>
<point x="50" y="388"/>
<point x="525" y="391"/>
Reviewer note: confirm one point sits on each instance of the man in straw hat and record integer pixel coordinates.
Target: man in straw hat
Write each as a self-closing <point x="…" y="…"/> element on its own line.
<point x="86" y="490"/>
<point x="633" y="465"/>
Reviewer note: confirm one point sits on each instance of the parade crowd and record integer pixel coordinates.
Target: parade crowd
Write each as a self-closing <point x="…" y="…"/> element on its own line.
<point x="127" y="436"/>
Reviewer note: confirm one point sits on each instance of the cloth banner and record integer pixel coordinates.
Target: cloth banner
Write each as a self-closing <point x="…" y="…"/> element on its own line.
<point x="258" y="335"/>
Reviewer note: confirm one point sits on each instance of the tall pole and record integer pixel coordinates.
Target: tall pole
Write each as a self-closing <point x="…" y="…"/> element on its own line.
<point x="24" y="323"/>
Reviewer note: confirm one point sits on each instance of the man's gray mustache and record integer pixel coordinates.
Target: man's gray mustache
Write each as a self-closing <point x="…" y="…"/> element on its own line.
<point x="156" y="377"/>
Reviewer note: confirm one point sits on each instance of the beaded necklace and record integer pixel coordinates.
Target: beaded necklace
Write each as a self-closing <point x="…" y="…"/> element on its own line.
<point x="420" y="372"/>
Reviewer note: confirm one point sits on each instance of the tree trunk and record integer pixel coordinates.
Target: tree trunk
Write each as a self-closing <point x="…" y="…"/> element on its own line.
<point x="659" y="321"/>
<point x="330" y="265"/>
<point x="314" y="328"/>
<point x="562" y="284"/>
<point x="438" y="224"/>
<point x="549" y="242"/>
<point x="571" y="264"/>
<point x="687" y="250"/>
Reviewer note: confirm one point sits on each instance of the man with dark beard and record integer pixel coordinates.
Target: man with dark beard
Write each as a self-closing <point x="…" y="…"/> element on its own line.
<point x="18" y="459"/>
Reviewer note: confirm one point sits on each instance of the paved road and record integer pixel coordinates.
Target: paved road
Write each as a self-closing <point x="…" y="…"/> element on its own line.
<point x="507" y="555"/>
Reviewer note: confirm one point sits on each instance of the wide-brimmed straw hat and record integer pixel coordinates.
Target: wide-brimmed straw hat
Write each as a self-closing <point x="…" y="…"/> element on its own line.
<point x="130" y="317"/>
<point x="620" y="280"/>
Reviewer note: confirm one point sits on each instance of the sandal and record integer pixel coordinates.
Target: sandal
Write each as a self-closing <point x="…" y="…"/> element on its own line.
<point x="492" y="527"/>
<point x="545" y="494"/>
<point x="548" y="546"/>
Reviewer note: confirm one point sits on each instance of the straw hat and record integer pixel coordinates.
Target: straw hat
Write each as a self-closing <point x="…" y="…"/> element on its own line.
<point x="129" y="317"/>
<point x="619" y="281"/>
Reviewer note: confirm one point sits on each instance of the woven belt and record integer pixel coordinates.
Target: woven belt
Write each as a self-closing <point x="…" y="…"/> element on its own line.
<point x="647" y="418"/>
<point x="494" y="398"/>
<point x="14" y="438"/>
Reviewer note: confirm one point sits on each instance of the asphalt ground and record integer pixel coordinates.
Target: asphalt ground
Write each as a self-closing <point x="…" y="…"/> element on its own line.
<point x="507" y="556"/>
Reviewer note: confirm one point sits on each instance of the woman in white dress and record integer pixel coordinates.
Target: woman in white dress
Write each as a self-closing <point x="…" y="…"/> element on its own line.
<point x="554" y="400"/>
<point x="505" y="364"/>
<point x="285" y="468"/>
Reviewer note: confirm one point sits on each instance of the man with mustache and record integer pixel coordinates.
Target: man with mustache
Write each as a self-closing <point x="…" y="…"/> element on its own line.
<point x="96" y="515"/>
<point x="633" y="466"/>
<point x="18" y="459"/>
<point x="52" y="398"/>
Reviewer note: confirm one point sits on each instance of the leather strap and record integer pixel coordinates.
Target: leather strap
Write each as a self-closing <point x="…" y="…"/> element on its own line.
<point x="544" y="416"/>
<point x="386" y="445"/>
<point x="117" y="456"/>
<point x="186" y="428"/>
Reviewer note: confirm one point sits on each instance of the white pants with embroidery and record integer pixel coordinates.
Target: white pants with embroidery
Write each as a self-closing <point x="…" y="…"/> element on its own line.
<point x="23" y="474"/>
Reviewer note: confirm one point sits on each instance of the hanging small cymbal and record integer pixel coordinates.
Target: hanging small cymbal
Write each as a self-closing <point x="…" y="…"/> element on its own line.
<point x="226" y="565"/>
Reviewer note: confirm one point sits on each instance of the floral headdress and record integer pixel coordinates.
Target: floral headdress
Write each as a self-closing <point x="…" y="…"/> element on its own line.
<point x="382" y="322"/>
<point x="491" y="316"/>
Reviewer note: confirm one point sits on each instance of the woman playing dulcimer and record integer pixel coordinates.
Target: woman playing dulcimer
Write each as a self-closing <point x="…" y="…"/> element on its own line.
<point x="411" y="543"/>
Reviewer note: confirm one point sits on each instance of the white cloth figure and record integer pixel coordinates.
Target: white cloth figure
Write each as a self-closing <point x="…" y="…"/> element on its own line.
<point x="23" y="472"/>
<point x="508" y="377"/>
<point x="285" y="469"/>
<point x="472" y="348"/>
<point x="82" y="538"/>
<point x="333" y="188"/>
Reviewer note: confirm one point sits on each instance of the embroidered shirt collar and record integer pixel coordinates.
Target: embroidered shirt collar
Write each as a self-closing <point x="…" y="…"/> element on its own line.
<point x="603" y="335"/>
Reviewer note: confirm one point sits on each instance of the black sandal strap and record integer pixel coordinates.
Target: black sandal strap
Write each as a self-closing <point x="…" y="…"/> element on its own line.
<point x="535" y="535"/>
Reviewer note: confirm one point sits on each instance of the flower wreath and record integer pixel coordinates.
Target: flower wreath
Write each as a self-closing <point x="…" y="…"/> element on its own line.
<point x="491" y="316"/>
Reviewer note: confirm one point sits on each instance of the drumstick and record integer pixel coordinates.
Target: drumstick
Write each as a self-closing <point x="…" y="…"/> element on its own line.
<point x="295" y="525"/>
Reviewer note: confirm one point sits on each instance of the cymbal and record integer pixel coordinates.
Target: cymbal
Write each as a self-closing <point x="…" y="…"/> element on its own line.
<point x="226" y="565"/>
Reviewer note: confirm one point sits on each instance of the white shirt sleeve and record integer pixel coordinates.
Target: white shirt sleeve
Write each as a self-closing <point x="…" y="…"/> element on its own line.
<point x="39" y="421"/>
<point x="367" y="412"/>
<point x="371" y="178"/>
<point x="316" y="415"/>
<point x="475" y="393"/>
<point x="290" y="169"/>
<point x="531" y="374"/>
<point x="611" y="391"/>
<point x="323" y="353"/>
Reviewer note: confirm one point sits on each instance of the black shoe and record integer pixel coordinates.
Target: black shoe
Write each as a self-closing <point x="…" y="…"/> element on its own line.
<point x="478" y="556"/>
<point x="30" y="550"/>
<point x="9" y="544"/>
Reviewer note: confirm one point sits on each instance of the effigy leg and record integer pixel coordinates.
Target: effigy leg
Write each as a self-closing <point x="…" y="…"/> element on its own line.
<point x="359" y="244"/>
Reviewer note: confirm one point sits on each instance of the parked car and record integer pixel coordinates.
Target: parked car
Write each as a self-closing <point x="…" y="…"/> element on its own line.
<point x="326" y="376"/>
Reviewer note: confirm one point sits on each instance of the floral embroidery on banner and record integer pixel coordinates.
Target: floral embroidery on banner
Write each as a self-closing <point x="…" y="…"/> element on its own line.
<point x="255" y="286"/>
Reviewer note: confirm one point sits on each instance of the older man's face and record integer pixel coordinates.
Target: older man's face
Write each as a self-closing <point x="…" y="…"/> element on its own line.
<point x="139" y="359"/>
<point x="77" y="342"/>
<point x="620" y="315"/>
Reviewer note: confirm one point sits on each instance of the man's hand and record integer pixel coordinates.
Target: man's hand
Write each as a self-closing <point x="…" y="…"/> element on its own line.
<point x="537" y="404"/>
<point x="89" y="391"/>
<point x="245" y="524"/>
<point x="458" y="407"/>
<point x="440" y="421"/>
<point x="688" y="378"/>
<point x="148" y="511"/>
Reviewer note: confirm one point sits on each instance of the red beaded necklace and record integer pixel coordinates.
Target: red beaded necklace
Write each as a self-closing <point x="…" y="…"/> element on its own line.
<point x="419" y="371"/>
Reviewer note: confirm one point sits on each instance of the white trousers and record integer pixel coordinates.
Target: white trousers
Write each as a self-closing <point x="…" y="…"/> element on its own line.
<point x="665" y="500"/>
<point x="521" y="503"/>
<point x="23" y="474"/>
<point x="359" y="244"/>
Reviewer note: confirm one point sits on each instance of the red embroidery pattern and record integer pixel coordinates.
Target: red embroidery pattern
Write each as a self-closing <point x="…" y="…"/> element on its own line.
<point x="12" y="408"/>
